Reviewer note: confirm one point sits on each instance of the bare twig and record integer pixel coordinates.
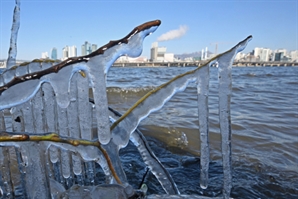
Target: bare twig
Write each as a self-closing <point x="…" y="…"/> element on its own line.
<point x="53" y="137"/>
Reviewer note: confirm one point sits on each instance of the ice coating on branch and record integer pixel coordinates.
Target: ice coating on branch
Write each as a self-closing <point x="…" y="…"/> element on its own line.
<point x="46" y="96"/>
<point x="151" y="102"/>
<point x="133" y="49"/>
<point x="12" y="53"/>
<point x="93" y="66"/>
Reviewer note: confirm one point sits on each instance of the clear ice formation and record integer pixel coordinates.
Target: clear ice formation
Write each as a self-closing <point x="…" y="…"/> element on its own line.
<point x="42" y="97"/>
<point x="12" y="53"/>
<point x="48" y="96"/>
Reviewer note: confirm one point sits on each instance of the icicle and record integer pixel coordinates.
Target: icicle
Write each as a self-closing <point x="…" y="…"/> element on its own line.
<point x="12" y="53"/>
<point x="77" y="165"/>
<point x="203" y="91"/>
<point x="4" y="170"/>
<point x="158" y="170"/>
<point x="225" y="62"/>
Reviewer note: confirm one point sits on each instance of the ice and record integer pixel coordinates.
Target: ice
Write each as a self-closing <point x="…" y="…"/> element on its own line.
<point x="65" y="163"/>
<point x="1" y="81"/>
<point x="94" y="192"/>
<point x="8" y="75"/>
<point x="158" y="170"/>
<point x="98" y="77"/>
<point x="20" y="71"/>
<point x="183" y="196"/>
<point x="17" y="95"/>
<point x="113" y="151"/>
<point x="12" y="54"/>
<point x="35" y="66"/>
<point x="150" y="159"/>
<point x="77" y="166"/>
<point x="54" y="154"/>
<point x="151" y="102"/>
<point x="154" y="100"/>
<point x="225" y="62"/>
<point x="35" y="172"/>
<point x="43" y="97"/>
<point x="203" y="92"/>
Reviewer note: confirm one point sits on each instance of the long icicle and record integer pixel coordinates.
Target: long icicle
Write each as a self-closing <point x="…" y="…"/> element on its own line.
<point x="225" y="63"/>
<point x="203" y="91"/>
<point x="12" y="53"/>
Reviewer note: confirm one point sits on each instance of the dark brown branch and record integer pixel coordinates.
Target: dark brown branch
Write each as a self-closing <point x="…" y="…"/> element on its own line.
<point x="74" y="60"/>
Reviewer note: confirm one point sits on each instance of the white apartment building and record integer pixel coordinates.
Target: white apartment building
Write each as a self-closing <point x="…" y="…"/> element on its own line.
<point x="69" y="51"/>
<point x="262" y="54"/>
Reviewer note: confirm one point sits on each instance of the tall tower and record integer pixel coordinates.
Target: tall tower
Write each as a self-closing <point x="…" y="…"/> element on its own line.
<point x="54" y="53"/>
<point x="83" y="50"/>
<point x="94" y="47"/>
<point x="72" y="51"/>
<point x="154" y="48"/>
<point x="65" y="53"/>
<point x="86" y="48"/>
<point x="202" y="54"/>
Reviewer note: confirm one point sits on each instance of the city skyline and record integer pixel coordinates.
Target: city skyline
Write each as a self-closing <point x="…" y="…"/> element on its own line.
<point x="187" y="26"/>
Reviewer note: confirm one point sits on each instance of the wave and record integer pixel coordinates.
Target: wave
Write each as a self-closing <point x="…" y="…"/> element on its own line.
<point x="129" y="91"/>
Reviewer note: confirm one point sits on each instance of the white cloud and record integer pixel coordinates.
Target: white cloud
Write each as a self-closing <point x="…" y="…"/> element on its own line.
<point x="173" y="34"/>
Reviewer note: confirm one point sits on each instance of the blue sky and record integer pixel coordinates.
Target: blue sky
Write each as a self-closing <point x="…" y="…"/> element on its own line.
<point x="51" y="23"/>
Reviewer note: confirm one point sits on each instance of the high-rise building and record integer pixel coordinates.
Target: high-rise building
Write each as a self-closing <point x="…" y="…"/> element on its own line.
<point x="278" y="56"/>
<point x="202" y="54"/>
<point x="262" y="54"/>
<point x="206" y="53"/>
<point x="72" y="51"/>
<point x="153" y="55"/>
<point x="54" y="55"/>
<point x="65" y="53"/>
<point x="265" y="54"/>
<point x="257" y="52"/>
<point x="69" y="51"/>
<point x="86" y="48"/>
<point x="94" y="47"/>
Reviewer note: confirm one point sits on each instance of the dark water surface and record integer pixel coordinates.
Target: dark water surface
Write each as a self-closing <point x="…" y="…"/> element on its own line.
<point x="264" y="113"/>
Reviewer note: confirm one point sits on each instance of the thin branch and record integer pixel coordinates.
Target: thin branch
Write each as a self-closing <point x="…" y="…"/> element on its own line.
<point x="53" y="137"/>
<point x="74" y="60"/>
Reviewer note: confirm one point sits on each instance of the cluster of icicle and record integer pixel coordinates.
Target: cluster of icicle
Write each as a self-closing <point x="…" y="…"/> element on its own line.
<point x="44" y="97"/>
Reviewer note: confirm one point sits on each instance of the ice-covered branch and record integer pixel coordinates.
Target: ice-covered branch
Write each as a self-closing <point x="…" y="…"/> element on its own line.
<point x="12" y="52"/>
<point x="53" y="137"/>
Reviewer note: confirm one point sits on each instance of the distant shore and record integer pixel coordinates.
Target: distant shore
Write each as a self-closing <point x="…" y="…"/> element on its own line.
<point x="185" y="64"/>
